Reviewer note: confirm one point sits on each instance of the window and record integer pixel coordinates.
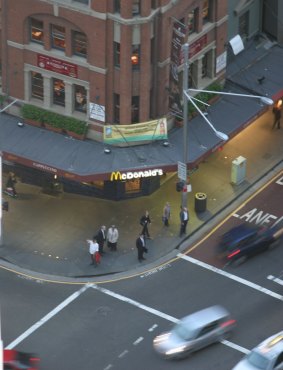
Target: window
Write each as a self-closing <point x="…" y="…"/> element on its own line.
<point x="135" y="109"/>
<point x="244" y="25"/>
<point x="204" y="66"/>
<point x="58" y="37"/>
<point x="80" y="98"/>
<point x="36" y="30"/>
<point x="116" y="108"/>
<point x="135" y="58"/>
<point x="192" y="21"/>
<point x="79" y="44"/>
<point x="206" y="11"/>
<point x="136" y="7"/>
<point x="81" y="1"/>
<point x="117" y="54"/>
<point x="117" y="6"/>
<point x="153" y="4"/>
<point x="58" y="92"/>
<point x="36" y="85"/>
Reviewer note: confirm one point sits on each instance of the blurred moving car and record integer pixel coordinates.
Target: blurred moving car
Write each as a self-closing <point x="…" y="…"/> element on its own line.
<point x="268" y="355"/>
<point x="194" y="332"/>
<point x="246" y="240"/>
<point x="15" y="360"/>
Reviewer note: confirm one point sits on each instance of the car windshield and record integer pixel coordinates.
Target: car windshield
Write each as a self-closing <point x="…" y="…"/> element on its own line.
<point x="183" y="332"/>
<point x="257" y="360"/>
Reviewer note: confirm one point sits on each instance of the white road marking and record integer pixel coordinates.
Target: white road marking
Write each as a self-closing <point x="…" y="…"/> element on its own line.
<point x="231" y="276"/>
<point x="47" y="317"/>
<point x="135" y="303"/>
<point x="123" y="353"/>
<point x="140" y="339"/>
<point x="153" y="327"/>
<point x="236" y="346"/>
<point x="108" y="367"/>
<point x="236" y="215"/>
<point x="158" y="313"/>
<point x="275" y="279"/>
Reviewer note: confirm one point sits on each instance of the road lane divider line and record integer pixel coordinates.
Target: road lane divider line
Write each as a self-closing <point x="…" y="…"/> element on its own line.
<point x="235" y="346"/>
<point x="140" y="339"/>
<point x="159" y="314"/>
<point x="135" y="303"/>
<point x="231" y="276"/>
<point x="275" y="279"/>
<point x="153" y="327"/>
<point x="47" y="317"/>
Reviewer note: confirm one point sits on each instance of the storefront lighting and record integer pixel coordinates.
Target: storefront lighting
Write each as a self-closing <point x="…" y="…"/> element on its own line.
<point x="166" y="143"/>
<point x="107" y="151"/>
<point x="20" y="124"/>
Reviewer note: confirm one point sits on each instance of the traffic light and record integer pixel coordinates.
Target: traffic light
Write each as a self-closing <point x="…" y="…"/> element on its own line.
<point x="179" y="186"/>
<point x="5" y="205"/>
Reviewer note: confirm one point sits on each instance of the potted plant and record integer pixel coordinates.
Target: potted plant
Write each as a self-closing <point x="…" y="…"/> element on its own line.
<point x="53" y="121"/>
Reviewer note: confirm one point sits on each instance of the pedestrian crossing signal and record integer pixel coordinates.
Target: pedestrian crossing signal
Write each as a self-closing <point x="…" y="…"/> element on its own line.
<point x="5" y="206"/>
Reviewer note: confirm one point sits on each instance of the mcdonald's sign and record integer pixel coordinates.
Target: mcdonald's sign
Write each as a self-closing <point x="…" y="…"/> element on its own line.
<point x="117" y="175"/>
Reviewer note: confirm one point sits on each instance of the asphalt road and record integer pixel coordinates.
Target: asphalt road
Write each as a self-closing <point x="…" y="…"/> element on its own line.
<point x="112" y="325"/>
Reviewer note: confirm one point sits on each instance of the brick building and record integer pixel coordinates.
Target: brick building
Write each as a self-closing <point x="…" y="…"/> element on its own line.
<point x="107" y="62"/>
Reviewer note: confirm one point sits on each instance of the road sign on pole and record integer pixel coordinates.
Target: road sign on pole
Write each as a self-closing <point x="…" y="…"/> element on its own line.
<point x="182" y="171"/>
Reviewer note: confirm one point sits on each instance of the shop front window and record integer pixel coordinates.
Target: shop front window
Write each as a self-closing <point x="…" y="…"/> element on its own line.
<point x="58" y="37"/>
<point x="80" y="98"/>
<point x="135" y="58"/>
<point x="132" y="186"/>
<point x="58" y="92"/>
<point x="36" y="30"/>
<point x="79" y="44"/>
<point x="37" y="85"/>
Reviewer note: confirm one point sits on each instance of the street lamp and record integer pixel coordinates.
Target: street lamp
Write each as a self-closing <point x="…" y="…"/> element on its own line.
<point x="186" y="98"/>
<point x="263" y="99"/>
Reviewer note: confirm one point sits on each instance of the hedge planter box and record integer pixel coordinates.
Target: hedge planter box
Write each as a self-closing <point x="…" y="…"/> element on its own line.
<point x="33" y="122"/>
<point x="53" y="128"/>
<point x="75" y="135"/>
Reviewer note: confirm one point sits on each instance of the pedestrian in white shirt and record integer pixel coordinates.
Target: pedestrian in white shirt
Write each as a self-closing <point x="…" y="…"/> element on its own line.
<point x="94" y="251"/>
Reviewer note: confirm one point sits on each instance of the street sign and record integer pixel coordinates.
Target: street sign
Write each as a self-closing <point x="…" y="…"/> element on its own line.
<point x="182" y="171"/>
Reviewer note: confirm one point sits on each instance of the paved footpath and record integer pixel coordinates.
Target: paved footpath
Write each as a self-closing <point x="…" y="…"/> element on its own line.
<point x="47" y="235"/>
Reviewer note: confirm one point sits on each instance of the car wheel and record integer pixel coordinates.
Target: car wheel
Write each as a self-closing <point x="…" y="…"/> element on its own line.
<point x="240" y="260"/>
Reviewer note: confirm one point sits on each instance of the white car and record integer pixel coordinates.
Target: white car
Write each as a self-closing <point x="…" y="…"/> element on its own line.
<point x="194" y="332"/>
<point x="268" y="355"/>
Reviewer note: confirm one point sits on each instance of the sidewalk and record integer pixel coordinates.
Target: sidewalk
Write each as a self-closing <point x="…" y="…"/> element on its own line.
<point x="47" y="235"/>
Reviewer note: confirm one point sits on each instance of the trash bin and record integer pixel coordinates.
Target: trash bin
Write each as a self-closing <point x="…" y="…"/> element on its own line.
<point x="200" y="202"/>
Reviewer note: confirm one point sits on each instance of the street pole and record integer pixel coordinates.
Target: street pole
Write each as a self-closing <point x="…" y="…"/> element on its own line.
<point x="185" y="48"/>
<point x="1" y="199"/>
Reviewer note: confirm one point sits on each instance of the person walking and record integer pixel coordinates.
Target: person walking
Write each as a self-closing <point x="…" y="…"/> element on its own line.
<point x="140" y="244"/>
<point x="166" y="214"/>
<point x="112" y="238"/>
<point x="277" y="115"/>
<point x="145" y="221"/>
<point x="101" y="237"/>
<point x="184" y="218"/>
<point x="10" y="185"/>
<point x="94" y="251"/>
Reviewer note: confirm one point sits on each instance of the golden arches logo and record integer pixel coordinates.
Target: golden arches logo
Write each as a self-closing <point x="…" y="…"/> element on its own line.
<point x="116" y="176"/>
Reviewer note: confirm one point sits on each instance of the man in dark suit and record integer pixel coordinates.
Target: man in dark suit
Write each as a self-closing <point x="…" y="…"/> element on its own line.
<point x="140" y="244"/>
<point x="100" y="238"/>
<point x="184" y="218"/>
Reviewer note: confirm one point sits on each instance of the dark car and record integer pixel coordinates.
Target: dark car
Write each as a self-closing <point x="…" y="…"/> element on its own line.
<point x="15" y="360"/>
<point x="246" y="240"/>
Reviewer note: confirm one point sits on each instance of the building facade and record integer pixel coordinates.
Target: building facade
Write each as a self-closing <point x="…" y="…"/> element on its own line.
<point x="107" y="62"/>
